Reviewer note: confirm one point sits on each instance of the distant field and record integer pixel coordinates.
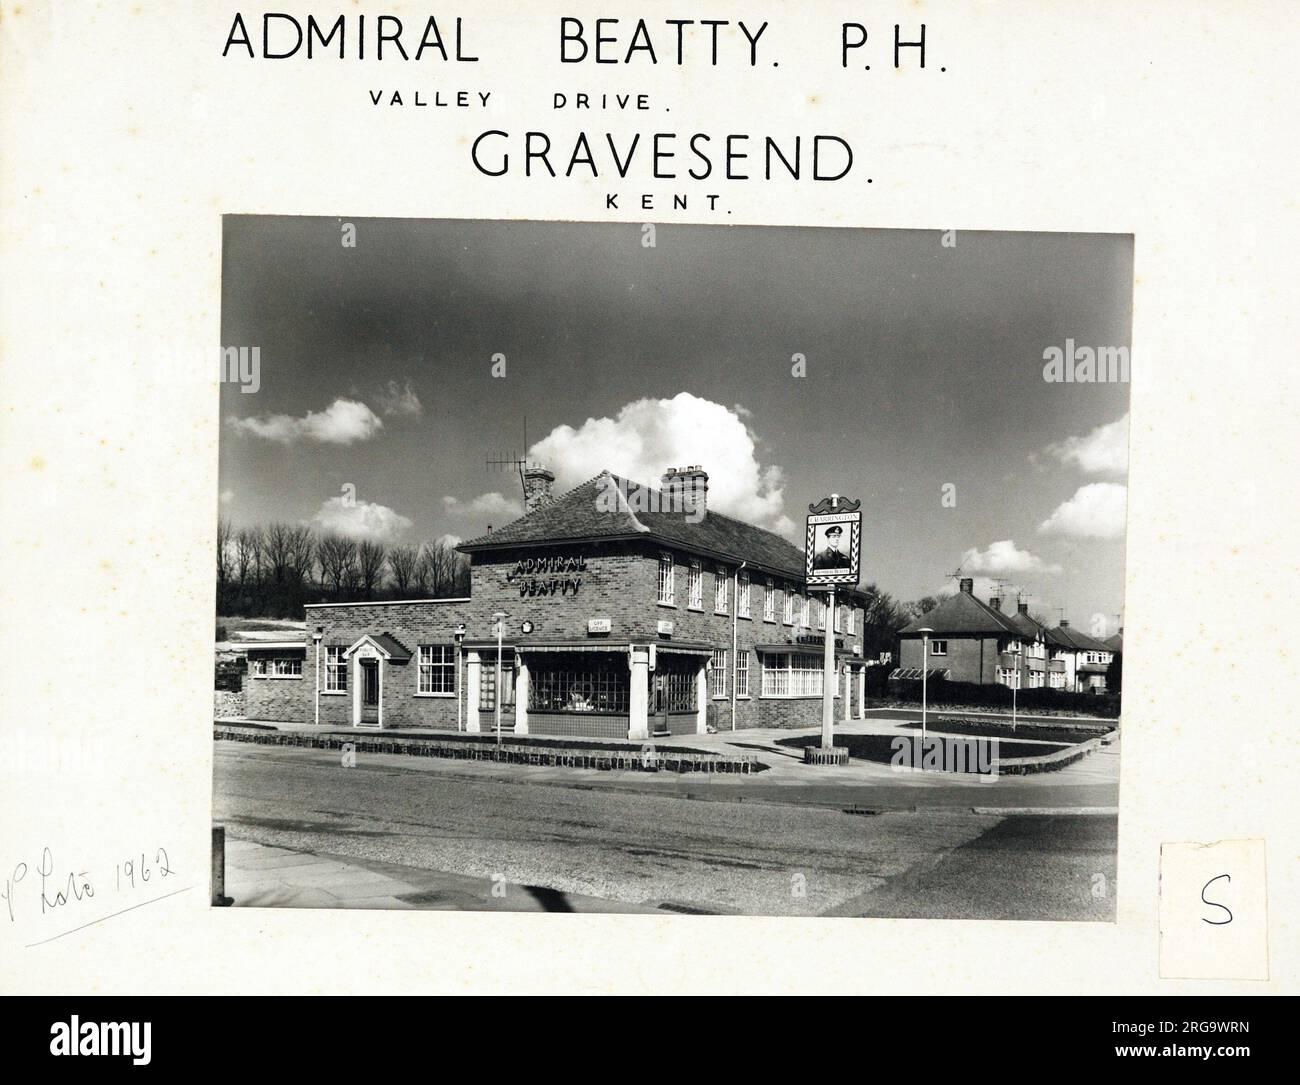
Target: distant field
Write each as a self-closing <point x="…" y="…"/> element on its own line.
<point x="241" y="628"/>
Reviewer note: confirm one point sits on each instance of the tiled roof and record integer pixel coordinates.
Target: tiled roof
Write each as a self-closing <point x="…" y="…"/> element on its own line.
<point x="1115" y="643"/>
<point x="1030" y="628"/>
<point x="962" y="613"/>
<point x="609" y="507"/>
<point x="1069" y="637"/>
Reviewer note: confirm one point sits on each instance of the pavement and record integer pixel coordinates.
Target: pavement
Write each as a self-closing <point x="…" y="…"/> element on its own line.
<point x="265" y="876"/>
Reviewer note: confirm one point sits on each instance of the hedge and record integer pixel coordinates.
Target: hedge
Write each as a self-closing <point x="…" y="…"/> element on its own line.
<point x="972" y="695"/>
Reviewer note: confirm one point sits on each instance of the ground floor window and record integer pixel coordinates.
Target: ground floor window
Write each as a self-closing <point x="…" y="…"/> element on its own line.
<point x="336" y="669"/>
<point x="275" y="668"/>
<point x="742" y="673"/>
<point x="792" y="674"/>
<point x="437" y="669"/>
<point x="718" y="672"/>
<point x="587" y="682"/>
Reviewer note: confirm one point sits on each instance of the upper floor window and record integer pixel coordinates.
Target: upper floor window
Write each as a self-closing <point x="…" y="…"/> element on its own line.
<point x="695" y="586"/>
<point x="820" y="607"/>
<point x="666" y="578"/>
<point x="853" y="620"/>
<point x="769" y="601"/>
<point x="938" y="647"/>
<point x="804" y="602"/>
<point x="742" y="594"/>
<point x="720" y="591"/>
<point x="787" y="611"/>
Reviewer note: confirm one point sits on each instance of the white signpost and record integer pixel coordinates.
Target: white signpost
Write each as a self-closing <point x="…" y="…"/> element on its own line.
<point x="831" y="555"/>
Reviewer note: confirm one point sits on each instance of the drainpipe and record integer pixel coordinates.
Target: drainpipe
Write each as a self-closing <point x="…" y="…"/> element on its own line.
<point x="735" y="618"/>
<point x="316" y="637"/>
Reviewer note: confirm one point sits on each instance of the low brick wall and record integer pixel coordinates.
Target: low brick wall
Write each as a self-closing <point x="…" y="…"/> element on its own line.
<point x="567" y="755"/>
<point x="228" y="704"/>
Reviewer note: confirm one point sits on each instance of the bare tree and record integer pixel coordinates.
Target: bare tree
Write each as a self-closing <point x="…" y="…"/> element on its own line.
<point x="338" y="559"/>
<point x="248" y="557"/>
<point x="225" y="533"/>
<point x="402" y="562"/>
<point x="371" y="560"/>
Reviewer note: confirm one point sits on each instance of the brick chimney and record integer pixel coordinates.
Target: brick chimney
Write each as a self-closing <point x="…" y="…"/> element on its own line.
<point x="537" y="487"/>
<point x="685" y="489"/>
<point x="967" y="585"/>
<point x="1022" y="608"/>
<point x="1065" y="623"/>
<point x="996" y="602"/>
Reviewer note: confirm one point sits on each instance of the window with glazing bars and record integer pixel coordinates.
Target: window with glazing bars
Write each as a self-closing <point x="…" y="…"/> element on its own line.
<point x="578" y="689"/>
<point x="437" y="669"/>
<point x="336" y="669"/>
<point x="742" y="594"/>
<point x="787" y="613"/>
<point x="666" y="578"/>
<point x="792" y="674"/>
<point x="675" y="691"/>
<point x="720" y="590"/>
<point x="695" y="586"/>
<point x="742" y="673"/>
<point x="718" y="673"/>
<point x="769" y="602"/>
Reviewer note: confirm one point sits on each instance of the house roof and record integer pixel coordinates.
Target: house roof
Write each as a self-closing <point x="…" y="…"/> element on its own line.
<point x="962" y="613"/>
<point x="1069" y="637"/>
<point x="1115" y="643"/>
<point x="1027" y="625"/>
<point x="608" y="507"/>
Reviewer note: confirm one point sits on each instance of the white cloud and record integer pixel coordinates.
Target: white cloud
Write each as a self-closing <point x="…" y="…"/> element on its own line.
<point x="449" y="541"/>
<point x="1096" y="511"/>
<point x="494" y="507"/>
<point x="360" y="520"/>
<point x="1004" y="557"/>
<point x="1103" y="451"/>
<point x="400" y="400"/>
<point x="649" y="435"/>
<point x="343" y="422"/>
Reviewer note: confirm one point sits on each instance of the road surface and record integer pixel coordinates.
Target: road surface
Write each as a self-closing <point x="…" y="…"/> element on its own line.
<point x="662" y="851"/>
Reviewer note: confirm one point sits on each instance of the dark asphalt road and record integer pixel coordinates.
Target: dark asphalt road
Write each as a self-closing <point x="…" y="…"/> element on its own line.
<point x="660" y="850"/>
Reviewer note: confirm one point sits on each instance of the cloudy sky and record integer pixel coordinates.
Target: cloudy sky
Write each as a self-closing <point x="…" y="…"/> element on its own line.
<point x="923" y="391"/>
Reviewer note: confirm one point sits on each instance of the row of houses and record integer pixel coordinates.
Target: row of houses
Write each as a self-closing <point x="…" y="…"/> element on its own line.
<point x="973" y="641"/>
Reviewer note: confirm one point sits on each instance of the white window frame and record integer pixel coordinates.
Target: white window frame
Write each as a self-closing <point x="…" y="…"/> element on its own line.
<point x="695" y="585"/>
<point x="336" y="669"/>
<point x="792" y="676"/>
<point x="742" y="594"/>
<point x="718" y="674"/>
<point x="720" y="582"/>
<point x="769" y="601"/>
<point x="445" y="664"/>
<point x="853" y="621"/>
<point x="787" y="608"/>
<point x="742" y="673"/>
<point x="939" y="647"/>
<point x="667" y="569"/>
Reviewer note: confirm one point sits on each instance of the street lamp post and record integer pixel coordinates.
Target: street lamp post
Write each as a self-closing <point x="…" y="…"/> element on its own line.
<point x="500" y="617"/>
<point x="925" y="673"/>
<point x="459" y="637"/>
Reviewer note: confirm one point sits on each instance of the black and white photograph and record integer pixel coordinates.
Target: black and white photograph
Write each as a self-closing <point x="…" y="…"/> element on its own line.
<point x="672" y="569"/>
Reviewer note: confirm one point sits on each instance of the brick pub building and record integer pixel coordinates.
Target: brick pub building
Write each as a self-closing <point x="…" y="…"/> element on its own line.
<point x="628" y="612"/>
